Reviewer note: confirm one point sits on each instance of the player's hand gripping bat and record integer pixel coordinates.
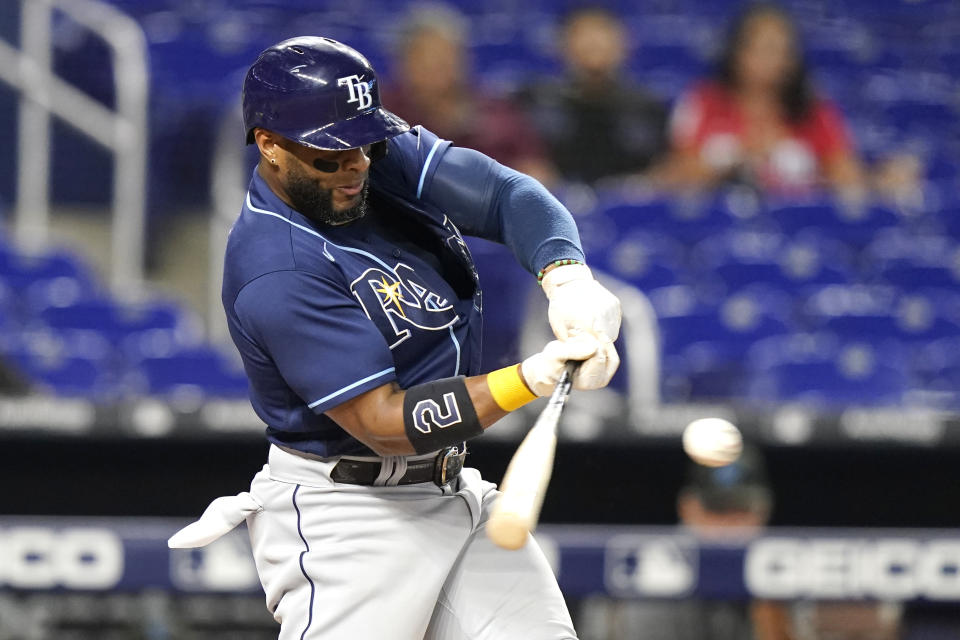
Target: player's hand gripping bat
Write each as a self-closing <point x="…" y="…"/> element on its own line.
<point x="524" y="484"/>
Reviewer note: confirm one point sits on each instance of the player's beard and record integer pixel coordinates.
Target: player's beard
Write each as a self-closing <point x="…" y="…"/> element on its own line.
<point x="309" y="198"/>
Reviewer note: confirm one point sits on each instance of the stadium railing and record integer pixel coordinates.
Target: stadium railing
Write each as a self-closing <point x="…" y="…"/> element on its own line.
<point x="121" y="131"/>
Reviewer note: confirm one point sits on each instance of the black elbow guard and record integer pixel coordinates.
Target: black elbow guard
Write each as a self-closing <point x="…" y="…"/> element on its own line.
<point x="439" y="414"/>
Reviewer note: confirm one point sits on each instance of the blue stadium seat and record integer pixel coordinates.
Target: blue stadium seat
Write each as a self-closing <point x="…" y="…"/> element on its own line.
<point x="114" y="321"/>
<point x="936" y="371"/>
<point x="854" y="311"/>
<point x="101" y="315"/>
<point x="910" y="276"/>
<point x="645" y="260"/>
<point x="949" y="217"/>
<point x="678" y="56"/>
<point x="731" y="325"/>
<point x="692" y="220"/>
<point x="202" y="369"/>
<point x="937" y="356"/>
<point x="683" y="317"/>
<point x="597" y="233"/>
<point x="835" y="58"/>
<point x="941" y="166"/>
<point x="61" y="291"/>
<point x="910" y="261"/>
<point x="20" y="270"/>
<point x="928" y="314"/>
<point x="628" y="214"/>
<point x="741" y="258"/>
<point x="811" y="258"/>
<point x="506" y="286"/>
<point x="913" y="116"/>
<point x="69" y="363"/>
<point x="686" y="220"/>
<point x="72" y="376"/>
<point x="825" y="372"/>
<point x="706" y="346"/>
<point x="856" y="226"/>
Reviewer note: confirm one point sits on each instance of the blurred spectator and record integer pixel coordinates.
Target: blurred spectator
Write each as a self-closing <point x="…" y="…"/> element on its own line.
<point x="734" y="501"/>
<point x="596" y="121"/>
<point x="433" y="87"/>
<point x="759" y="119"/>
<point x="730" y="501"/>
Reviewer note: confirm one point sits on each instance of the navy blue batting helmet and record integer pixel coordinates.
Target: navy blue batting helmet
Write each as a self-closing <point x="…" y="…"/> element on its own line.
<point x="318" y="92"/>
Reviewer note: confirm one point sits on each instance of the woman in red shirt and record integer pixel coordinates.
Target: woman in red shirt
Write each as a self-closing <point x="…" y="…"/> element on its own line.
<point x="759" y="120"/>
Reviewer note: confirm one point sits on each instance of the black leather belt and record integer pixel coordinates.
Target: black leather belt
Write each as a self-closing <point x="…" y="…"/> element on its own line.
<point x="440" y="470"/>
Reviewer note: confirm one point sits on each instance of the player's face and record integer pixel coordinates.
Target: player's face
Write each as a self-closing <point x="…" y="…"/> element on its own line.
<point x="326" y="186"/>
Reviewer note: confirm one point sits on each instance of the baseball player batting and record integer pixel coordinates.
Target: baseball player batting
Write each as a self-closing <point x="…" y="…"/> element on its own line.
<point x="356" y="307"/>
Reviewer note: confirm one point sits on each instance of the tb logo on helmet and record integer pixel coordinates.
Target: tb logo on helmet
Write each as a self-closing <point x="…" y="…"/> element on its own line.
<point x="359" y="90"/>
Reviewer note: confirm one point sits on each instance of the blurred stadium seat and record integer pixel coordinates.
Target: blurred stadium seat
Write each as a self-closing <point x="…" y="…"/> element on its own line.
<point x="761" y="303"/>
<point x="65" y="335"/>
<point x="704" y="344"/>
<point x="644" y="259"/>
<point x="743" y="258"/>
<point x="856" y="225"/>
<point x="202" y="370"/>
<point x="19" y="269"/>
<point x="782" y="266"/>
<point x="910" y="260"/>
<point x="827" y="372"/>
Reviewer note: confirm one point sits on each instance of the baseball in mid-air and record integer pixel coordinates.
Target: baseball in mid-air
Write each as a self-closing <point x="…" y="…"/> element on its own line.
<point x="712" y="442"/>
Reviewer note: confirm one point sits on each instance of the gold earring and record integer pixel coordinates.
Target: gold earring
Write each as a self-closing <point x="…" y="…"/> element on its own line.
<point x="273" y="161"/>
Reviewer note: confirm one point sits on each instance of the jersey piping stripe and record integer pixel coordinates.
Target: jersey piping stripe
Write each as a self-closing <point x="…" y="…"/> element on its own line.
<point x="426" y="165"/>
<point x="456" y="344"/>
<point x="303" y="570"/>
<point x="314" y="233"/>
<point x="360" y="382"/>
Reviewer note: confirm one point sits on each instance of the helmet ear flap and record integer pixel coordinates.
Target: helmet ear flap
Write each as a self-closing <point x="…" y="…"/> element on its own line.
<point x="378" y="150"/>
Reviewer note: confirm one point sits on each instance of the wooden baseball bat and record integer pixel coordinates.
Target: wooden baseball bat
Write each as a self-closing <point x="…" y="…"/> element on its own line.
<point x="525" y="483"/>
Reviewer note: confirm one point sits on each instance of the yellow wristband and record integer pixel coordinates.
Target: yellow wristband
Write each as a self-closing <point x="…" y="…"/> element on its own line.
<point x="508" y="389"/>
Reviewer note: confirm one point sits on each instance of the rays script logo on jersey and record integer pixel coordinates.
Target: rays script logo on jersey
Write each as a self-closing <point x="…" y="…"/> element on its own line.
<point x="428" y="414"/>
<point x="404" y="300"/>
<point x="359" y="90"/>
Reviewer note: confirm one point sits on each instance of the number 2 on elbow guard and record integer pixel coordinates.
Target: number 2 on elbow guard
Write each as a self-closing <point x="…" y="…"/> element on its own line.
<point x="439" y="414"/>
<point x="428" y="414"/>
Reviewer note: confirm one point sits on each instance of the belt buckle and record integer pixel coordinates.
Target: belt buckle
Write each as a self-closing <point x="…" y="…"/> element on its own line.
<point x="447" y="466"/>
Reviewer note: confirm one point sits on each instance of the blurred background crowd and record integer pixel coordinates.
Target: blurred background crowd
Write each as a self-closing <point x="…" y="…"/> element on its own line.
<point x="772" y="188"/>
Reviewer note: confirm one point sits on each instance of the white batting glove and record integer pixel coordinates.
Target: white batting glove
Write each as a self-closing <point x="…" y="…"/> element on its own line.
<point x="578" y="305"/>
<point x="541" y="371"/>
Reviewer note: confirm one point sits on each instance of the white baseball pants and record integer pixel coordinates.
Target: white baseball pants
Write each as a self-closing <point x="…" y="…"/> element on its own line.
<point x="349" y="562"/>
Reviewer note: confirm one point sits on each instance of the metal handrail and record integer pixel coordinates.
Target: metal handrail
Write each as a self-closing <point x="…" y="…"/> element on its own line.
<point x="122" y="131"/>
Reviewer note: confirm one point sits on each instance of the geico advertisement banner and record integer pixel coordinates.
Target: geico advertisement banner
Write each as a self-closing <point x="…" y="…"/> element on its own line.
<point x="38" y="557"/>
<point x="888" y="568"/>
<point x="625" y="562"/>
<point x="781" y="564"/>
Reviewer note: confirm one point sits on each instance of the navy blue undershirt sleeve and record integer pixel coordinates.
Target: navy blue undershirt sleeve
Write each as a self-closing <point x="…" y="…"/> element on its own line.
<point x="486" y="199"/>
